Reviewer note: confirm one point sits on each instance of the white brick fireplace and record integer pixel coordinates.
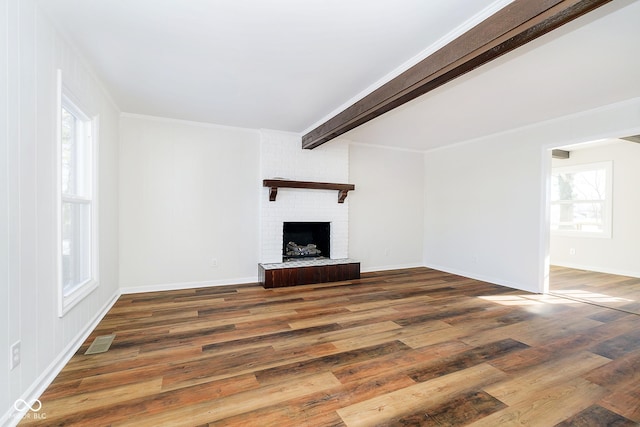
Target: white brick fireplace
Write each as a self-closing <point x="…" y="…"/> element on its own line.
<point x="281" y="156"/>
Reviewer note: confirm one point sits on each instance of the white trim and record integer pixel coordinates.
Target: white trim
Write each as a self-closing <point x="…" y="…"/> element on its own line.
<point x="78" y="294"/>
<point x="607" y="202"/>
<point x="186" y="285"/>
<point x="546" y="166"/>
<point x="65" y="98"/>
<point x="58" y="177"/>
<point x="545" y="222"/>
<point x="186" y="122"/>
<point x="386" y="147"/>
<point x="391" y="267"/>
<point x="283" y="132"/>
<point x="606" y="270"/>
<point x="480" y="277"/>
<point x="35" y="390"/>
<point x="626" y="105"/>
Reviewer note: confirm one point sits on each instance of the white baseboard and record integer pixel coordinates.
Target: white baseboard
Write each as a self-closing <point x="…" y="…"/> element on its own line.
<point x="390" y="267"/>
<point x="597" y="269"/>
<point x="35" y="390"/>
<point x="482" y="278"/>
<point x="185" y="285"/>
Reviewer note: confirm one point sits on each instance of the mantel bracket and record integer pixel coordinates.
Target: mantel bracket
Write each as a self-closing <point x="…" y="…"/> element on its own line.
<point x="273" y="192"/>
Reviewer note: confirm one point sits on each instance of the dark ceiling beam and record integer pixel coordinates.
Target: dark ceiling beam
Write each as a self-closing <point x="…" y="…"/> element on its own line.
<point x="511" y="27"/>
<point x="634" y="138"/>
<point x="560" y="154"/>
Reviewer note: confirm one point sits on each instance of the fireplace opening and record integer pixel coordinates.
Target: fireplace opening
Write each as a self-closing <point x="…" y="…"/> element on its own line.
<point x="305" y="240"/>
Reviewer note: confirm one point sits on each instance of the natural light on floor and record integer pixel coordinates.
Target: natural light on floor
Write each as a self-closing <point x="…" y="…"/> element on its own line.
<point x="567" y="296"/>
<point x="590" y="296"/>
<point x="532" y="299"/>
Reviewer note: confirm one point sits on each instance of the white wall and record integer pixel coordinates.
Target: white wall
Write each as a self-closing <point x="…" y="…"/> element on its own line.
<point x="189" y="193"/>
<point x="386" y="214"/>
<point x="482" y="211"/>
<point x="31" y="51"/>
<point x="621" y="253"/>
<point x="486" y="213"/>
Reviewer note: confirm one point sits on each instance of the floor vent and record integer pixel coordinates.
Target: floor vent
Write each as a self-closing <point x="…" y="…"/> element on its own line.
<point x="101" y="344"/>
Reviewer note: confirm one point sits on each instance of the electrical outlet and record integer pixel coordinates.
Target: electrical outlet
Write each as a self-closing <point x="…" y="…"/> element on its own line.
<point x="14" y="357"/>
<point x="572" y="251"/>
<point x="213" y="263"/>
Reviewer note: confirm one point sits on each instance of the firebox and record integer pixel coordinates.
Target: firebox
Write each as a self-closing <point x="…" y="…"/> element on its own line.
<point x="305" y="240"/>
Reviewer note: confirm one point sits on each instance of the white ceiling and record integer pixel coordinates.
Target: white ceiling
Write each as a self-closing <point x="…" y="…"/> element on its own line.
<point x="278" y="64"/>
<point x="289" y="64"/>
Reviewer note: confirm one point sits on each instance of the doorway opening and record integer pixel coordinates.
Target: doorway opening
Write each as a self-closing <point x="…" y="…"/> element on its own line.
<point x="592" y="235"/>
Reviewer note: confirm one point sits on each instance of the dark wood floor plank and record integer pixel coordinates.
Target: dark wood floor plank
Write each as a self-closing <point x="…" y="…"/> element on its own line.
<point x="329" y="362"/>
<point x="539" y="378"/>
<point x="597" y="416"/>
<point x="138" y="408"/>
<point x="619" y="346"/>
<point x="263" y="338"/>
<point x="546" y="407"/>
<point x="624" y="403"/>
<point x="348" y="338"/>
<point x="619" y="372"/>
<point x="385" y="407"/>
<point x="319" y="409"/>
<point x="210" y="411"/>
<point x="565" y="345"/>
<point x="404" y="363"/>
<point x="216" y="366"/>
<point x="467" y="359"/>
<point x="460" y="410"/>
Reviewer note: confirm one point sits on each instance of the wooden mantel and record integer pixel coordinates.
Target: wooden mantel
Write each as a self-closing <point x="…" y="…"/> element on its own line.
<point x="274" y="184"/>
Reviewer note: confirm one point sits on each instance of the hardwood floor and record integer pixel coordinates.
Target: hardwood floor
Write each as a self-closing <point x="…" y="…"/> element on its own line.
<point x="608" y="290"/>
<point x="406" y="347"/>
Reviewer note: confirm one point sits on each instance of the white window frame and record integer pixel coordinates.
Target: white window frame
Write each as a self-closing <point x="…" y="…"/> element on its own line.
<point x="68" y="298"/>
<point x="607" y="203"/>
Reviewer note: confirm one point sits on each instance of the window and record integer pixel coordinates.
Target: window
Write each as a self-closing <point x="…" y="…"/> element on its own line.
<point x="581" y="200"/>
<point x="77" y="204"/>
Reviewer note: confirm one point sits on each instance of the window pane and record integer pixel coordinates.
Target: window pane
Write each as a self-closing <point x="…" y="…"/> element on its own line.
<point x="582" y="185"/>
<point x="75" y="151"/>
<point x="590" y="185"/>
<point x="587" y="216"/>
<point x="578" y="216"/>
<point x="76" y="244"/>
<point x="69" y="157"/>
<point x="578" y="199"/>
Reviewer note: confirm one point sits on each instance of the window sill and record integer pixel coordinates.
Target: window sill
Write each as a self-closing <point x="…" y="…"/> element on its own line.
<point x="67" y="302"/>
<point x="581" y="234"/>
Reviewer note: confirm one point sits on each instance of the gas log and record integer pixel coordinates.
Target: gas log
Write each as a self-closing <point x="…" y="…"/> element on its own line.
<point x="295" y="250"/>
